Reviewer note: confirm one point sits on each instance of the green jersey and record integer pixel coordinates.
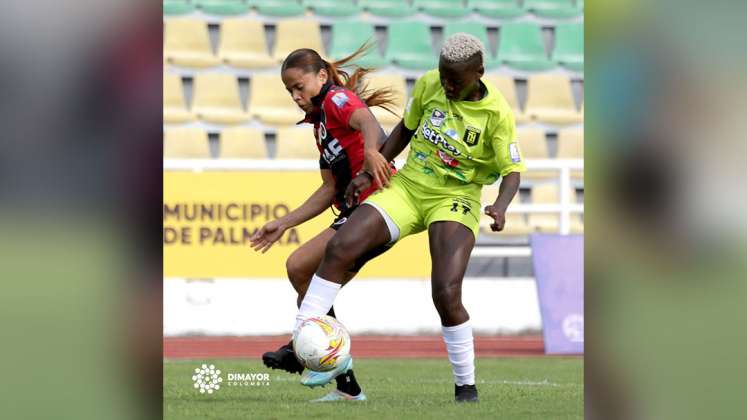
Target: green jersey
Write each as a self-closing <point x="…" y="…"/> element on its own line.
<point x="462" y="142"/>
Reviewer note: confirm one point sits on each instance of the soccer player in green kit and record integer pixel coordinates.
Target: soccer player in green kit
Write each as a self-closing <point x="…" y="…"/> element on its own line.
<point x="461" y="135"/>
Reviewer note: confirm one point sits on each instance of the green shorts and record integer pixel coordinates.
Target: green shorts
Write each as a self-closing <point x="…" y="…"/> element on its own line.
<point x="412" y="207"/>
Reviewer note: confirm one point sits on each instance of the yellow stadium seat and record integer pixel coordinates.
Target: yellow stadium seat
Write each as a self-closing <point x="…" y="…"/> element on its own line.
<point x="242" y="143"/>
<point x="546" y="193"/>
<point x="270" y="102"/>
<point x="187" y="43"/>
<point x="216" y="99"/>
<point x="507" y="87"/>
<point x="293" y="34"/>
<point x="532" y="143"/>
<point x="296" y="143"/>
<point x="174" y="109"/>
<point x="516" y="223"/>
<point x="243" y="44"/>
<point x="399" y="88"/>
<point x="549" y="193"/>
<point x="186" y="142"/>
<point x="571" y="146"/>
<point x="571" y="143"/>
<point x="550" y="100"/>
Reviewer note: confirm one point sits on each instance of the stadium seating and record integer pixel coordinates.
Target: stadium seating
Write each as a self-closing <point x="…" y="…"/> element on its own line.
<point x="546" y="193"/>
<point x="521" y="47"/>
<point x="186" y="143"/>
<point x="532" y="143"/>
<point x="242" y="143"/>
<point x="571" y="143"/>
<point x="333" y="8"/>
<point x="174" y="108"/>
<point x="550" y="100"/>
<point x="552" y="8"/>
<point x="477" y="30"/>
<point x="348" y="36"/>
<point x="516" y="223"/>
<point x="186" y="43"/>
<point x="410" y="45"/>
<point x="388" y="8"/>
<point x="177" y="7"/>
<point x="278" y="7"/>
<point x="504" y="9"/>
<point x="571" y="146"/>
<point x="569" y="46"/>
<point x="506" y="86"/>
<point x="442" y="8"/>
<point x="216" y="99"/>
<point x="296" y="143"/>
<point x="223" y="7"/>
<point x="243" y="44"/>
<point x="399" y="88"/>
<point x="270" y="103"/>
<point x="293" y="34"/>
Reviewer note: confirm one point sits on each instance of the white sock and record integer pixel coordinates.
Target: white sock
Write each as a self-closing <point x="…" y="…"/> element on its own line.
<point x="318" y="300"/>
<point x="461" y="348"/>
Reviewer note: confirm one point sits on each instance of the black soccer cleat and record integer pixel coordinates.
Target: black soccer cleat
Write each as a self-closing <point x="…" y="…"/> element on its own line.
<point x="283" y="358"/>
<point x="465" y="393"/>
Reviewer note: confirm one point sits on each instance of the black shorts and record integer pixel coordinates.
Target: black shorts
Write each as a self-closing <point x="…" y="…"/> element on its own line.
<point x="368" y="256"/>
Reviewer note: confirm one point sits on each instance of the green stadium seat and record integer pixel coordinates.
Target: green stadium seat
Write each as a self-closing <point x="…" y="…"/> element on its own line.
<point x="333" y="8"/>
<point x="569" y="46"/>
<point x="552" y="8"/>
<point x="496" y="8"/>
<point x="442" y="8"/>
<point x="177" y="7"/>
<point x="223" y="7"/>
<point x="521" y="47"/>
<point x="388" y="8"/>
<point x="278" y="7"/>
<point x="348" y="36"/>
<point x="410" y="45"/>
<point x="477" y="30"/>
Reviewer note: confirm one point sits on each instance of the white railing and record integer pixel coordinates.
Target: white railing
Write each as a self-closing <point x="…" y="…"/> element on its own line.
<point x="564" y="167"/>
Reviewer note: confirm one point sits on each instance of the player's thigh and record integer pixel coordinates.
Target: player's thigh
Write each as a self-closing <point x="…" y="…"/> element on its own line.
<point x="399" y="206"/>
<point x="450" y="246"/>
<point x="306" y="258"/>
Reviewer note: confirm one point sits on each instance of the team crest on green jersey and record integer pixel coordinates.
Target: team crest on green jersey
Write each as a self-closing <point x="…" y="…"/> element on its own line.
<point x="472" y="135"/>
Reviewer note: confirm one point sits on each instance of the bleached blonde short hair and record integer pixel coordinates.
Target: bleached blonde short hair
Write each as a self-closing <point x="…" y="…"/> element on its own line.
<point x="460" y="47"/>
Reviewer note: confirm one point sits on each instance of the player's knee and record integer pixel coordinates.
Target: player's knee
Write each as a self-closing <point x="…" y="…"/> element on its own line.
<point x="339" y="251"/>
<point x="447" y="298"/>
<point x="298" y="273"/>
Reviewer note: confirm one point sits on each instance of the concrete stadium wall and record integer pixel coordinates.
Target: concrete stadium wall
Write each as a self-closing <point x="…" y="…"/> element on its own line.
<point x="267" y="306"/>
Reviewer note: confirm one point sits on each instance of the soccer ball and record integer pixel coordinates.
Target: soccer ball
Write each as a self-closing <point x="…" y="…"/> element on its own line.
<point x="321" y="343"/>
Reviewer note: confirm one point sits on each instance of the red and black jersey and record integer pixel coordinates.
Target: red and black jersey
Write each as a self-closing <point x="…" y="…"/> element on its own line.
<point x="340" y="147"/>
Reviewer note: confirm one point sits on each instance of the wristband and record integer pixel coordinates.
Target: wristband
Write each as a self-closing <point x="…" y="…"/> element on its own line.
<point x="367" y="173"/>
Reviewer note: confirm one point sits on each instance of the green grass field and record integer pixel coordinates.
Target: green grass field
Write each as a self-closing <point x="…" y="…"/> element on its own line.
<point x="520" y="388"/>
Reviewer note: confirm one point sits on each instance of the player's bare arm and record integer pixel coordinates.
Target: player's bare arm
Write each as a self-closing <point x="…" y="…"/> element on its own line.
<point x="319" y="201"/>
<point x="393" y="146"/>
<point x="374" y="163"/>
<point x="506" y="192"/>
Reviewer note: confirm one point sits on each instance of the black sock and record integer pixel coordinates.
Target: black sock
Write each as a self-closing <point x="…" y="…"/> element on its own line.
<point x="332" y="312"/>
<point x="347" y="383"/>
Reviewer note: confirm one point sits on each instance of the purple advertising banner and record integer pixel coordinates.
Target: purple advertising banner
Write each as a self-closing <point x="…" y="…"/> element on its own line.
<point x="558" y="262"/>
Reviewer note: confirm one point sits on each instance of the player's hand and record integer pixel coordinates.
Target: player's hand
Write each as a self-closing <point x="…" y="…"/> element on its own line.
<point x="376" y="164"/>
<point x="359" y="184"/>
<point x="499" y="218"/>
<point x="267" y="235"/>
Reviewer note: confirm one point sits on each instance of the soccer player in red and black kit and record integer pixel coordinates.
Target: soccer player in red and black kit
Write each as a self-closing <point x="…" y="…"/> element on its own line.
<point x="348" y="137"/>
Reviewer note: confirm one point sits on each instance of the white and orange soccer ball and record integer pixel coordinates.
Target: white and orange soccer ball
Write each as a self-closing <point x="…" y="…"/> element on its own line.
<point x="322" y="343"/>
